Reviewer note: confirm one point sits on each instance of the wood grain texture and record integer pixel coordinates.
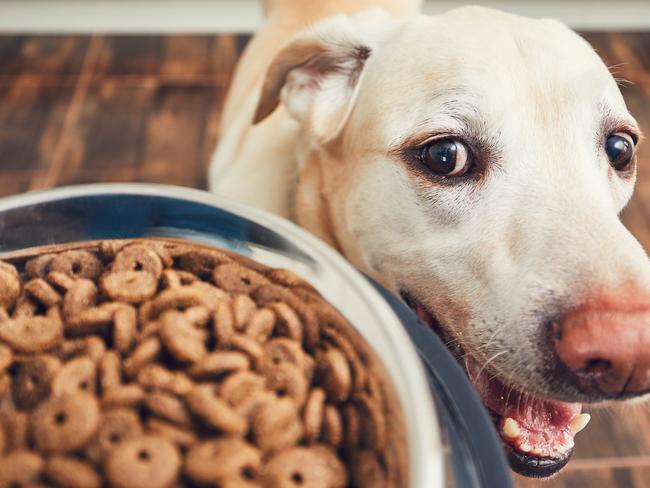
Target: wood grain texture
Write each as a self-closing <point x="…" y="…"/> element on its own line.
<point x="146" y="108"/>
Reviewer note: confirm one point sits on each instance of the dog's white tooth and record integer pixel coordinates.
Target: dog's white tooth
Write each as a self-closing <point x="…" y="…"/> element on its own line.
<point x="579" y="423"/>
<point x="525" y="447"/>
<point x="511" y="428"/>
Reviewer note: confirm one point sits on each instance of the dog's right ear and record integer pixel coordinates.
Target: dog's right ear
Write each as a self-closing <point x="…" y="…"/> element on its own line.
<point x="317" y="74"/>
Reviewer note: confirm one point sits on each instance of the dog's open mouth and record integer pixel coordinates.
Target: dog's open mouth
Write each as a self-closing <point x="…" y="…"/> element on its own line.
<point x="536" y="433"/>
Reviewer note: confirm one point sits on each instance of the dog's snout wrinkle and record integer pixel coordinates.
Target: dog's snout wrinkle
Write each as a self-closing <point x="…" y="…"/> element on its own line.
<point x="606" y="350"/>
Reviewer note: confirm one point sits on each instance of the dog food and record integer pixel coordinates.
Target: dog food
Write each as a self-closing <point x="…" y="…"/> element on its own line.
<point x="159" y="363"/>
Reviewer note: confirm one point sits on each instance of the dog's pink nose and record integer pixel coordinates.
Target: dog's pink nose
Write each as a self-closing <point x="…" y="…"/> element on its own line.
<point x="607" y="350"/>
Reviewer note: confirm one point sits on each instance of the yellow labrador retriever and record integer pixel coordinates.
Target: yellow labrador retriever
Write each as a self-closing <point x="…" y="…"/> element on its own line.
<point x="474" y="162"/>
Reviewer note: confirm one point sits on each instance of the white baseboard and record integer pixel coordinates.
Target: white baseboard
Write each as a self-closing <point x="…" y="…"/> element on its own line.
<point x="227" y="16"/>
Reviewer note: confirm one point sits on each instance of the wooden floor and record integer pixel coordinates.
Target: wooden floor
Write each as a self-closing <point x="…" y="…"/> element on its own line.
<point x="89" y="109"/>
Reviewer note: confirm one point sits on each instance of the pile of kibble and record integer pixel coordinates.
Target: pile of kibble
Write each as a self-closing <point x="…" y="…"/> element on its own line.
<point x="151" y="363"/>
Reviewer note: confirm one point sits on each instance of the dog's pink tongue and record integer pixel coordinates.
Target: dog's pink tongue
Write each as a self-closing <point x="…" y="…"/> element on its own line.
<point x="534" y="426"/>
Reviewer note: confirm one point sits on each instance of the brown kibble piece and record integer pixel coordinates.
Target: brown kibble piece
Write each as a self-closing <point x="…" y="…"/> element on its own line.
<point x="6" y="357"/>
<point x="307" y="467"/>
<point x="373" y="423"/>
<point x="335" y="375"/>
<point x="288" y="324"/>
<point x="75" y="375"/>
<point x="42" y="292"/>
<point x="33" y="380"/>
<point x="9" y="285"/>
<point x="276" y="424"/>
<point x="204" y="401"/>
<point x="224" y="323"/>
<point x="168" y="407"/>
<point x="243" y="308"/>
<point x="110" y="374"/>
<point x="183" y="341"/>
<point x="313" y="414"/>
<point x="81" y="295"/>
<point x="130" y="395"/>
<point x="117" y="426"/>
<point x="183" y="437"/>
<point x="71" y="473"/>
<point x="125" y="328"/>
<point x="38" y="267"/>
<point x="129" y="286"/>
<point x="150" y="461"/>
<point x="17" y="430"/>
<point x="201" y="262"/>
<point x="66" y="423"/>
<point x="138" y="257"/>
<point x="20" y="468"/>
<point x="367" y="470"/>
<point x="175" y="299"/>
<point x="261" y="325"/>
<point x="39" y="333"/>
<point x="212" y="462"/>
<point x="156" y="377"/>
<point x="219" y="362"/>
<point x="235" y="278"/>
<point x="143" y="354"/>
<point x="77" y="264"/>
<point x="247" y="345"/>
<point x="332" y="427"/>
<point x="287" y="380"/>
<point x="244" y="391"/>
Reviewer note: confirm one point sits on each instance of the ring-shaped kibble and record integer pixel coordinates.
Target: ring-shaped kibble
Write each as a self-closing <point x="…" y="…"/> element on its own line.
<point x="116" y="426"/>
<point x="66" y="423"/>
<point x="138" y="257"/>
<point x="235" y="278"/>
<point x="77" y="263"/>
<point x="129" y="286"/>
<point x="286" y="380"/>
<point x="33" y="379"/>
<point x="213" y="461"/>
<point x="149" y="461"/>
<point x="305" y="467"/>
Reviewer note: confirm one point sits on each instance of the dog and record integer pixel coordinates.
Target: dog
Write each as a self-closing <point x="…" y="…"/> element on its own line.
<point x="474" y="162"/>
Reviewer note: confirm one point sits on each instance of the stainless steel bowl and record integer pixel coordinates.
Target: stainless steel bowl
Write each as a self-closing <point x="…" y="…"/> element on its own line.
<point x="132" y="210"/>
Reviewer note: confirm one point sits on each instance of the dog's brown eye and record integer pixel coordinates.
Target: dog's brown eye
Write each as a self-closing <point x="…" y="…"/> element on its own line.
<point x="620" y="150"/>
<point x="446" y="157"/>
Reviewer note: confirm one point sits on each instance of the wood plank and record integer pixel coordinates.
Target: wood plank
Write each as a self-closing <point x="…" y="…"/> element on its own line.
<point x="42" y="55"/>
<point x="31" y="120"/>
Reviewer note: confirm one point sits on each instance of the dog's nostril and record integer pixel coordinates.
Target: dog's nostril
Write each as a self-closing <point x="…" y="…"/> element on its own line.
<point x="597" y="367"/>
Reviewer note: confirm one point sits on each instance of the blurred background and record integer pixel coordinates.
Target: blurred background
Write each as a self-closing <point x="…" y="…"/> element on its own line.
<point x="99" y="90"/>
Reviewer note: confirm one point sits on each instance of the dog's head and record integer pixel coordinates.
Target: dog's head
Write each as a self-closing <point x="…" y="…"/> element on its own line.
<point x="477" y="162"/>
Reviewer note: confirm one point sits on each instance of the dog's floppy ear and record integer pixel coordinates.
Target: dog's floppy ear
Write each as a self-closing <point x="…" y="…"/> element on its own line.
<point x="316" y="75"/>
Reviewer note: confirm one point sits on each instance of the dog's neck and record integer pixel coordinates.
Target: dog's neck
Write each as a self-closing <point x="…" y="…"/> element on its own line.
<point x="311" y="207"/>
